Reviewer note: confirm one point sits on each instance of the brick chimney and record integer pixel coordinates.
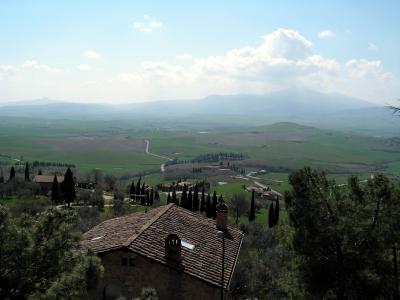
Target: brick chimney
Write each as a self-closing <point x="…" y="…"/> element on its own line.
<point x="222" y="216"/>
<point x="173" y="248"/>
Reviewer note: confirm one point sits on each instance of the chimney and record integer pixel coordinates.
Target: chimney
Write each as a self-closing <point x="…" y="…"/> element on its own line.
<point x="222" y="216"/>
<point x="173" y="248"/>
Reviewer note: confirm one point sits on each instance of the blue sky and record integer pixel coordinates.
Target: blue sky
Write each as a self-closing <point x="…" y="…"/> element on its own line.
<point x="126" y="51"/>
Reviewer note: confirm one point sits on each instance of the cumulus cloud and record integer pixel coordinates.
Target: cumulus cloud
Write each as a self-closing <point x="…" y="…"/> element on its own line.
<point x="326" y="34"/>
<point x="90" y="54"/>
<point x="284" y="58"/>
<point x="147" y="25"/>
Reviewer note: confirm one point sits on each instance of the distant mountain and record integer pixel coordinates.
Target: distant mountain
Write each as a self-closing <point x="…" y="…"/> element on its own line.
<point x="295" y="105"/>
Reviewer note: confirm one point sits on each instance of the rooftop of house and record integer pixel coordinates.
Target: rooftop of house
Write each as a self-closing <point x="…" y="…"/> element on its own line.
<point x="47" y="178"/>
<point x="145" y="233"/>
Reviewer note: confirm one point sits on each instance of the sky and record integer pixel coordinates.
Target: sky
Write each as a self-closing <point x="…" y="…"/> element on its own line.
<point x="134" y="51"/>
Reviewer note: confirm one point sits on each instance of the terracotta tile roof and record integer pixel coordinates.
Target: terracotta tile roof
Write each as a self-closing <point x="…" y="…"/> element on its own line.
<point x="144" y="233"/>
<point x="47" y="178"/>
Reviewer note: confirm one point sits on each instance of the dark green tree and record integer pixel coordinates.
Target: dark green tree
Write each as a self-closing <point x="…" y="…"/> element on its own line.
<point x="276" y="212"/>
<point x="252" y="214"/>
<point x="1" y="176"/>
<point x="55" y="191"/>
<point x="132" y="190"/>
<point x="190" y="200"/>
<point x="169" y="198"/>
<point x="221" y="199"/>
<point x="214" y="204"/>
<point x="138" y="189"/>
<point x="40" y="172"/>
<point x="183" y="202"/>
<point x="203" y="201"/>
<point x="42" y="258"/>
<point x="174" y="198"/>
<point x="196" y="198"/>
<point x="209" y="210"/>
<point x="68" y="187"/>
<point x="27" y="177"/>
<point x="271" y="216"/>
<point x="12" y="174"/>
<point x="151" y="199"/>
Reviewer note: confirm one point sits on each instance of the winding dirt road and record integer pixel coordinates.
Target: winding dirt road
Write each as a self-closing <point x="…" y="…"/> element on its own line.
<point x="162" y="167"/>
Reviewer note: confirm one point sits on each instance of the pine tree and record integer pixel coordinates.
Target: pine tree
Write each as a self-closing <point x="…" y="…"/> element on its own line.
<point x="196" y="198"/>
<point x="55" y="191"/>
<point x="174" y="199"/>
<point x="69" y="187"/>
<point x="27" y="177"/>
<point x="132" y="189"/>
<point x="209" y="212"/>
<point x="271" y="216"/>
<point x="276" y="213"/>
<point x="169" y="198"/>
<point x="203" y="200"/>
<point x="252" y="215"/>
<point x="12" y="174"/>
<point x="214" y="205"/>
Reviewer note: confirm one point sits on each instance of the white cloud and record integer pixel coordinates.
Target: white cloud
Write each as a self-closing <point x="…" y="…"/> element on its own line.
<point x="326" y="34"/>
<point x="148" y="25"/>
<point x="372" y="47"/>
<point x="83" y="67"/>
<point x="283" y="59"/>
<point x="33" y="64"/>
<point x="90" y="54"/>
<point x="184" y="56"/>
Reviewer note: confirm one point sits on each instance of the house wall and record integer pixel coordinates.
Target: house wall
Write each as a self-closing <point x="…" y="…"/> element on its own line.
<point x="128" y="280"/>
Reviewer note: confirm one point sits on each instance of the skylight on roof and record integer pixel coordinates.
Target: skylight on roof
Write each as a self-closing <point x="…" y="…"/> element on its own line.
<point x="97" y="238"/>
<point x="187" y="245"/>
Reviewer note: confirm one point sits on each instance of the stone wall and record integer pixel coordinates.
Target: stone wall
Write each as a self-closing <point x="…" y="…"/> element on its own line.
<point x="141" y="272"/>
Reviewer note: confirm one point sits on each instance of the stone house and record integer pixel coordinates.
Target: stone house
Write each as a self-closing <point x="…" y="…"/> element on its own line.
<point x="46" y="182"/>
<point x="171" y="249"/>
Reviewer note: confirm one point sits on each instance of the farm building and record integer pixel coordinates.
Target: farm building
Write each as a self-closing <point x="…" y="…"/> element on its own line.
<point x="171" y="249"/>
<point x="169" y="187"/>
<point x="265" y="193"/>
<point x="46" y="182"/>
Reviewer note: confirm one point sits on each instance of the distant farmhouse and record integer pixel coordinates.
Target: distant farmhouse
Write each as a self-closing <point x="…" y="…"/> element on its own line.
<point x="46" y="182"/>
<point x="171" y="249"/>
<point x="180" y="185"/>
<point x="265" y="193"/>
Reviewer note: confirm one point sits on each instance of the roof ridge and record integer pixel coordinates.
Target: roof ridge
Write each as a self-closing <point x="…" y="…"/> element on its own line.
<point x="148" y="224"/>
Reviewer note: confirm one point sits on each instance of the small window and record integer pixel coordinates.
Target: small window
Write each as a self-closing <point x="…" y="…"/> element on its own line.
<point x="97" y="238"/>
<point x="187" y="245"/>
<point x="131" y="261"/>
<point x="124" y="261"/>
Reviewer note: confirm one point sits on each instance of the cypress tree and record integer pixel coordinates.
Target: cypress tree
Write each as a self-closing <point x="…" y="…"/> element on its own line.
<point x="143" y="190"/>
<point x="209" y="206"/>
<point x="138" y="186"/>
<point x="69" y="187"/>
<point x="55" y="191"/>
<point x="203" y="201"/>
<point x="169" y="198"/>
<point x="1" y="176"/>
<point x="132" y="189"/>
<point x="174" y="199"/>
<point x="276" y="213"/>
<point x="148" y="197"/>
<point x="39" y="172"/>
<point x="221" y="199"/>
<point x="184" y="197"/>
<point x="27" y="178"/>
<point x="252" y="215"/>
<point x="151" y="197"/>
<point x="196" y="198"/>
<point x="214" y="205"/>
<point x="190" y="201"/>
<point x="157" y="196"/>
<point x="271" y="216"/>
<point x="12" y="174"/>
